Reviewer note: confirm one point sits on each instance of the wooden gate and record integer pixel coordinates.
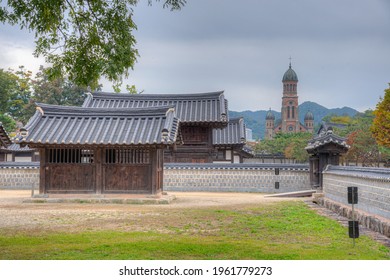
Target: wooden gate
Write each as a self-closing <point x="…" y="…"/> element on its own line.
<point x="314" y="172"/>
<point x="70" y="171"/>
<point x="127" y="171"/>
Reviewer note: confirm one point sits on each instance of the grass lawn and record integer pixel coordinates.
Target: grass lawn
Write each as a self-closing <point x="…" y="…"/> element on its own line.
<point x="282" y="230"/>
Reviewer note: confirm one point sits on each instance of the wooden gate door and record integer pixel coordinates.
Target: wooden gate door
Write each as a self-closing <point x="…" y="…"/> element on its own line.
<point x="127" y="171"/>
<point x="126" y="179"/>
<point x="314" y="172"/>
<point x="70" y="171"/>
<point x="66" y="178"/>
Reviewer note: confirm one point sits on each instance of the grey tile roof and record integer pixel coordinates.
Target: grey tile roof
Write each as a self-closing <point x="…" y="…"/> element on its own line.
<point x="14" y="147"/>
<point x="362" y="172"/>
<point x="232" y="134"/>
<point x="4" y="137"/>
<point x="190" y="108"/>
<point x="253" y="166"/>
<point x="53" y="124"/>
<point x="325" y="138"/>
<point x="20" y="165"/>
<point x="325" y="126"/>
<point x="248" y="151"/>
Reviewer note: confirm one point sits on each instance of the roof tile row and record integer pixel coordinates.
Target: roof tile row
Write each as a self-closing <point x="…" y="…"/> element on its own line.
<point x="190" y="108"/>
<point x="232" y="134"/>
<point x="93" y="126"/>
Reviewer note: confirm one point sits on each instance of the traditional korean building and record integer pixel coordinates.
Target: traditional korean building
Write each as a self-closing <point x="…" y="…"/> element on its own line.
<point x="325" y="148"/>
<point x="12" y="152"/>
<point x="199" y="114"/>
<point x="5" y="140"/>
<point x="101" y="150"/>
<point x="15" y="153"/>
<point x="229" y="142"/>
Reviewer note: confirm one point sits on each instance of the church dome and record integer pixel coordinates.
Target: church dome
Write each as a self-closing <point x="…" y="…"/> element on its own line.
<point x="290" y="75"/>
<point x="309" y="116"/>
<point x="270" y="116"/>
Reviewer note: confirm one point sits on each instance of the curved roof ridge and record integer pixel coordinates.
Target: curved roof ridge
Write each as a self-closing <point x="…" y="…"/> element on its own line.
<point x="235" y="119"/>
<point x="5" y="139"/>
<point x="73" y="110"/>
<point x="157" y="95"/>
<point x="210" y="107"/>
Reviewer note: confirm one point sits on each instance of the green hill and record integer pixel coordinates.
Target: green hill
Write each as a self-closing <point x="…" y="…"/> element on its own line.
<point x="256" y="120"/>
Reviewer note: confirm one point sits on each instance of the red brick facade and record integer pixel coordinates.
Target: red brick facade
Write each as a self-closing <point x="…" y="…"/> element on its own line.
<point x="289" y="122"/>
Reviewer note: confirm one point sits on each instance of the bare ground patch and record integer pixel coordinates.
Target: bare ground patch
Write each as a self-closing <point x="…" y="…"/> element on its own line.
<point x="184" y="212"/>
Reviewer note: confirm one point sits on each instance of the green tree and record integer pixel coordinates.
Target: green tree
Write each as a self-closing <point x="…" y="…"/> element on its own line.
<point x="19" y="97"/>
<point x="296" y="147"/>
<point x="81" y="39"/>
<point x="381" y="124"/>
<point x="57" y="92"/>
<point x="291" y="145"/>
<point x="133" y="90"/>
<point x="8" y="84"/>
<point x="19" y="92"/>
<point x="364" y="149"/>
<point x="8" y="123"/>
<point x="337" y="119"/>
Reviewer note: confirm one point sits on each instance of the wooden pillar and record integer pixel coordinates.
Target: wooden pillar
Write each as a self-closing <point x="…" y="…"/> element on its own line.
<point x="42" y="171"/>
<point x="153" y="170"/>
<point x="157" y="160"/>
<point x="160" y="170"/>
<point x="99" y="179"/>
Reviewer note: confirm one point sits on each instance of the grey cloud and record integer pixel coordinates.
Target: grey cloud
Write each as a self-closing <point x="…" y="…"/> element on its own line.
<point x="340" y="50"/>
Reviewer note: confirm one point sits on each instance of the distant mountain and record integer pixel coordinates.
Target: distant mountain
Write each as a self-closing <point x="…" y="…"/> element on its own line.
<point x="256" y="120"/>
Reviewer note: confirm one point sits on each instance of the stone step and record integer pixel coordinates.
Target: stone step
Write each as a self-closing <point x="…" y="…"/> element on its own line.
<point x="293" y="194"/>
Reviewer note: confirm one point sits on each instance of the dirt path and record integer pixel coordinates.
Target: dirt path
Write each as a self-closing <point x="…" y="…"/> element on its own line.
<point x="38" y="217"/>
<point x="35" y="218"/>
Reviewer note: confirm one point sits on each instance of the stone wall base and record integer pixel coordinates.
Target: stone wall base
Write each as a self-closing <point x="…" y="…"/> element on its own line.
<point x="369" y="221"/>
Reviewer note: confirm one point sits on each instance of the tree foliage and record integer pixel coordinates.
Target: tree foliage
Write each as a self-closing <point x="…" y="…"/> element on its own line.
<point x="291" y="145"/>
<point x="14" y="95"/>
<point x="337" y="119"/>
<point x="81" y="39"/>
<point x="8" y="84"/>
<point x="8" y="123"/>
<point x="381" y="124"/>
<point x="19" y="98"/>
<point x="19" y="91"/>
<point x="57" y="92"/>
<point x="364" y="149"/>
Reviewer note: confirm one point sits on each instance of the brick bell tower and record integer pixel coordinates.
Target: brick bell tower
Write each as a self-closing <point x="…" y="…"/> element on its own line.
<point x="290" y="119"/>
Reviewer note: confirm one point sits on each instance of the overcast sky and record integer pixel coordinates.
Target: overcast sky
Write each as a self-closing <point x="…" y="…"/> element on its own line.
<point x="340" y="50"/>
